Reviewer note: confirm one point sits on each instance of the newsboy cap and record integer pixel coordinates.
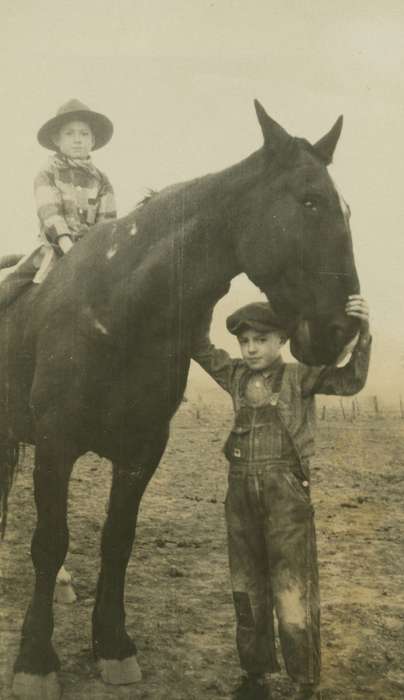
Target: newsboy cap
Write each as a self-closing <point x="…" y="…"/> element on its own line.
<point x="101" y="126"/>
<point x="259" y="316"/>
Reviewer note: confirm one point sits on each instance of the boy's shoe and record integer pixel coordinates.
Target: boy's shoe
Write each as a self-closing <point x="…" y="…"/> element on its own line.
<point x="253" y="688"/>
<point x="308" y="692"/>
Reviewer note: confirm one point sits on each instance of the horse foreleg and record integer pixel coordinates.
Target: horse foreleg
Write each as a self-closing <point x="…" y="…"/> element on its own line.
<point x="37" y="662"/>
<point x="113" y="648"/>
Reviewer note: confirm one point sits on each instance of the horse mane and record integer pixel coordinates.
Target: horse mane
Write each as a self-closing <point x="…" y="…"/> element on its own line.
<point x="185" y="198"/>
<point x="146" y="199"/>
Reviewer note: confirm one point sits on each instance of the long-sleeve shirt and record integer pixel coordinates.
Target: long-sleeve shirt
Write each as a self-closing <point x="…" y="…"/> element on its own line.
<point x="295" y="400"/>
<point x="71" y="196"/>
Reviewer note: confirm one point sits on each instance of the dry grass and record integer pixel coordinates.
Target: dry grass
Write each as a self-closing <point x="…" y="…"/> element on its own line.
<point x="179" y="606"/>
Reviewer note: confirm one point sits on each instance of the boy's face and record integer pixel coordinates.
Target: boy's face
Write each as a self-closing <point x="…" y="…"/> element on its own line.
<point x="75" y="139"/>
<point x="260" y="350"/>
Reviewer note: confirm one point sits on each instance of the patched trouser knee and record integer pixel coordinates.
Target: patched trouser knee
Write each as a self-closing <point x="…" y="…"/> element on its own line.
<point x="255" y="634"/>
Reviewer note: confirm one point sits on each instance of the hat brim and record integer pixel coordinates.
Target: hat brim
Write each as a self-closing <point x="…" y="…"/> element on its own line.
<point x="101" y="127"/>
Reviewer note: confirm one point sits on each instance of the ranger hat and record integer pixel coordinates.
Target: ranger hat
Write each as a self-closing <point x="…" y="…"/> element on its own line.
<point x="258" y="316"/>
<point x="101" y="126"/>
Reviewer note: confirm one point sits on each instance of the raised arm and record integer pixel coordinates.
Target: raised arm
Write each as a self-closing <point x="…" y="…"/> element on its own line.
<point x="215" y="361"/>
<point x="351" y="378"/>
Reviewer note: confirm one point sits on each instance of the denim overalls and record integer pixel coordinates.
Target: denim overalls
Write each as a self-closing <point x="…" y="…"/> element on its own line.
<point x="271" y="536"/>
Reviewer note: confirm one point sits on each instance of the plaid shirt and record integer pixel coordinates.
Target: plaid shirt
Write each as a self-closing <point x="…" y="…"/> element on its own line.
<point x="70" y="197"/>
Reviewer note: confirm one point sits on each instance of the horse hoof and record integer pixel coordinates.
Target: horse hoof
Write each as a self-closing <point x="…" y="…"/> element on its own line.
<point x="64" y="593"/>
<point x="28" y="686"/>
<point x="122" y="672"/>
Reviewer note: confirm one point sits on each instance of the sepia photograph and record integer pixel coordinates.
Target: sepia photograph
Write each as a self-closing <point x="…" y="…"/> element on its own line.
<point x="202" y="350"/>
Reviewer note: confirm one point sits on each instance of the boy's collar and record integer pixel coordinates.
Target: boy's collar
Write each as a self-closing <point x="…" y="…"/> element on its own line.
<point x="268" y="371"/>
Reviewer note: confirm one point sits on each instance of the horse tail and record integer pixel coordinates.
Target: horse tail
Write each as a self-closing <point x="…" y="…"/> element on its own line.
<point x="9" y="456"/>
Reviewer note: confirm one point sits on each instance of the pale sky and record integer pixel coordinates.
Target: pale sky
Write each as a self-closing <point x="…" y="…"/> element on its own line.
<point x="178" y="79"/>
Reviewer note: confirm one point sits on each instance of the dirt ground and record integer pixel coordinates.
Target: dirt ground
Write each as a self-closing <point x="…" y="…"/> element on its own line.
<point x="179" y="605"/>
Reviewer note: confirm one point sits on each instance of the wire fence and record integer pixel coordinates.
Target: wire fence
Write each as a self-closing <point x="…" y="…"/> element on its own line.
<point x="352" y="409"/>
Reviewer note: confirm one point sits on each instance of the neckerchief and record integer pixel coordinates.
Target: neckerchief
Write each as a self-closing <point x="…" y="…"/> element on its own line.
<point x="59" y="160"/>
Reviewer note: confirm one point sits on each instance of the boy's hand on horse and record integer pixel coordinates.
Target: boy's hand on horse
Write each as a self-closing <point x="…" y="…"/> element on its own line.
<point x="357" y="307"/>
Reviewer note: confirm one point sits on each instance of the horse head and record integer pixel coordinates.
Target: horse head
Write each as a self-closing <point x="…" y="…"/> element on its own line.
<point x="296" y="246"/>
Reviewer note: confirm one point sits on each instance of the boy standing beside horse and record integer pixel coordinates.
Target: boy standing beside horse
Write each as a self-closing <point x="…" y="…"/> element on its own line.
<point x="269" y="514"/>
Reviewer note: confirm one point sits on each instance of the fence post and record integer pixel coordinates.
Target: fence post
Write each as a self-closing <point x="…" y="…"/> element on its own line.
<point x="353" y="410"/>
<point x="401" y="408"/>
<point x="341" y="403"/>
<point x="198" y="407"/>
<point x="376" y="405"/>
<point x="323" y="413"/>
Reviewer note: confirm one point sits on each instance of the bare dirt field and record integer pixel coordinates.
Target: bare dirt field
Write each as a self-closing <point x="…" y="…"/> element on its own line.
<point x="179" y="605"/>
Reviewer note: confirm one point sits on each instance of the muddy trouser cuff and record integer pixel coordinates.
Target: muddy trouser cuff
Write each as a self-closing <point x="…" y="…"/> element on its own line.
<point x="273" y="567"/>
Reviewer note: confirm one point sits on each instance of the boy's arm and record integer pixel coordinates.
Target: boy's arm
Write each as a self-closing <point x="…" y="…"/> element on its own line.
<point x="50" y="208"/>
<point x="340" y="381"/>
<point x="107" y="206"/>
<point x="215" y="361"/>
<point x="347" y="380"/>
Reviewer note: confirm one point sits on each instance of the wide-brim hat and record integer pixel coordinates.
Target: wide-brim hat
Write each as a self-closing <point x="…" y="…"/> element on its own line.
<point x="259" y="316"/>
<point x="100" y="125"/>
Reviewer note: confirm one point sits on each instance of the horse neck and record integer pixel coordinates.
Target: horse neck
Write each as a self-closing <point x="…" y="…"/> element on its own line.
<point x="201" y="244"/>
<point x="181" y="259"/>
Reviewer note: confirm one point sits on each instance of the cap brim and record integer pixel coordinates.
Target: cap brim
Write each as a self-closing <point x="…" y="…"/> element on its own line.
<point x="237" y="328"/>
<point x="101" y="127"/>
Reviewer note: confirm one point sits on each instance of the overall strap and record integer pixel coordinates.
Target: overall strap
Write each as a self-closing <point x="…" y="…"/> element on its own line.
<point x="277" y="385"/>
<point x="278" y="379"/>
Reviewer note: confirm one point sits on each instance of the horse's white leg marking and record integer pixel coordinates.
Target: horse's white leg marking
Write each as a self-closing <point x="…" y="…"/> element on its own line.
<point x="29" y="687"/>
<point x="64" y="591"/>
<point x="63" y="575"/>
<point x="123" y="672"/>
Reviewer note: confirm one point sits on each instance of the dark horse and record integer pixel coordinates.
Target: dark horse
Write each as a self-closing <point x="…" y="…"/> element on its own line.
<point x="96" y="358"/>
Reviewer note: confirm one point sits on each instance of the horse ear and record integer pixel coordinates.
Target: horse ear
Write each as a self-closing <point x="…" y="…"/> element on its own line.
<point x="275" y="137"/>
<point x="326" y="146"/>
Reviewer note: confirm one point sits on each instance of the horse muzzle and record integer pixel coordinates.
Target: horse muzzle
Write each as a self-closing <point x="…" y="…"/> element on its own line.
<point x="323" y="342"/>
